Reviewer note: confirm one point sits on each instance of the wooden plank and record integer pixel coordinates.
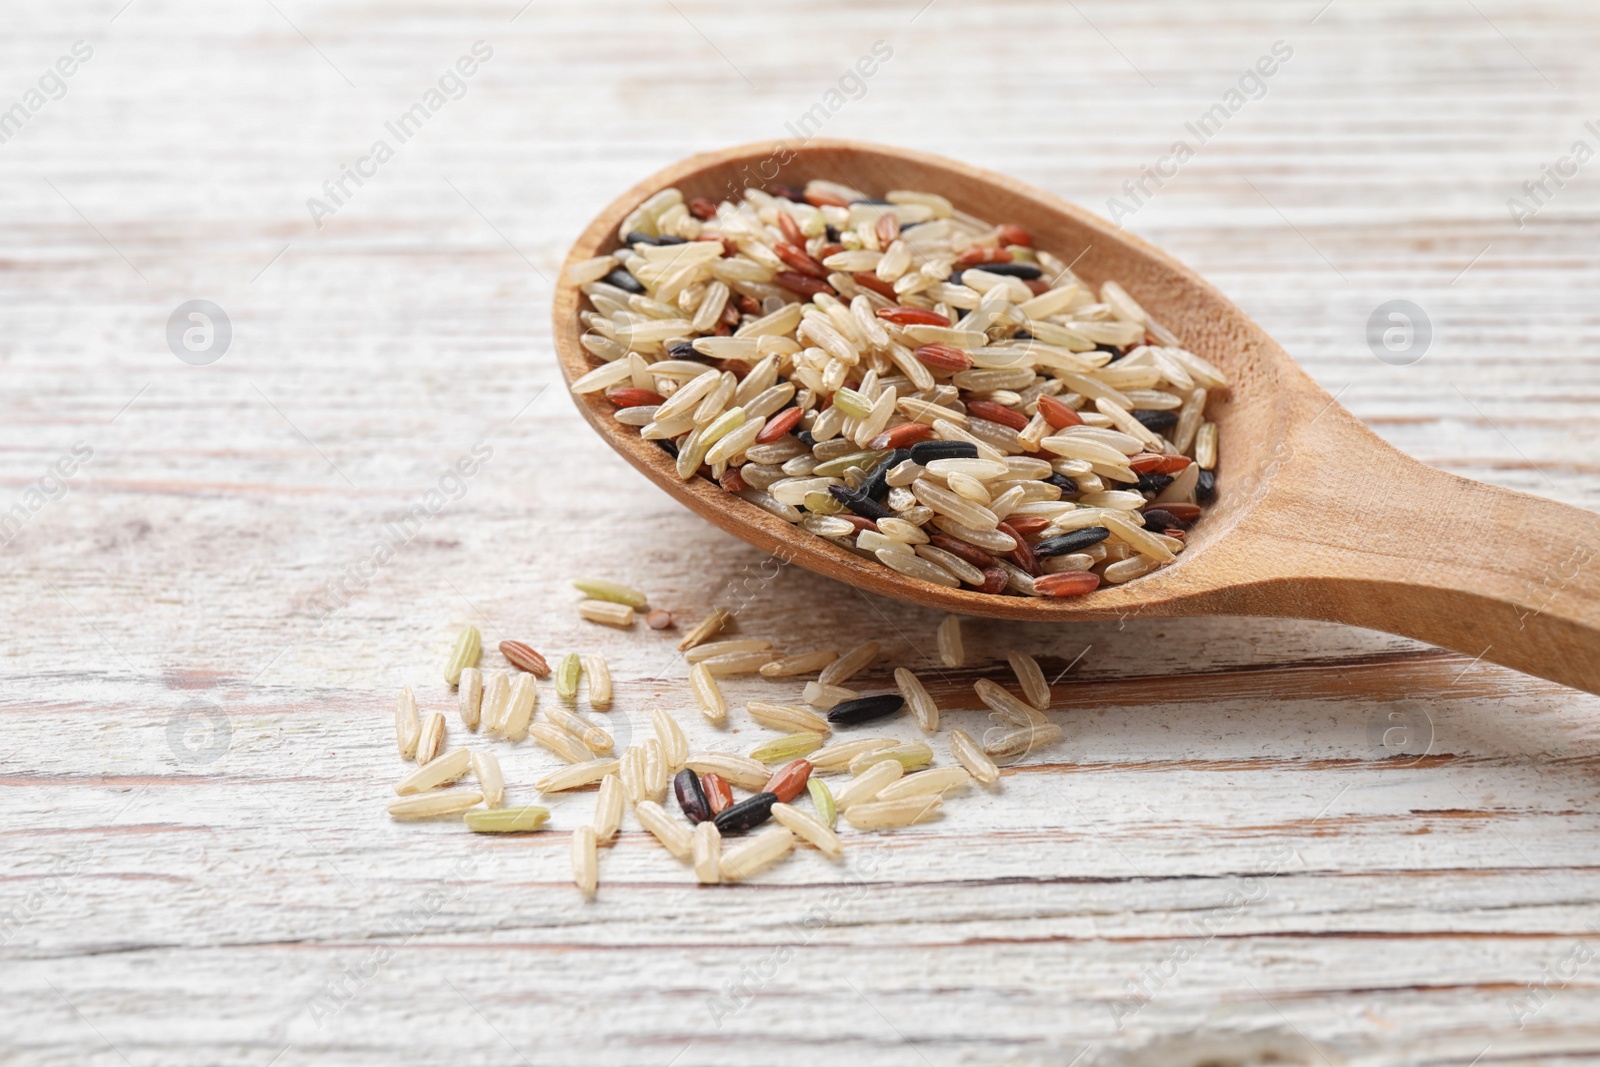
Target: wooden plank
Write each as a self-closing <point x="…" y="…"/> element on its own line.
<point x="1404" y="903"/>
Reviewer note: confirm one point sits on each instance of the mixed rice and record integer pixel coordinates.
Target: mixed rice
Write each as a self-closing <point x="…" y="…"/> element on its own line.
<point x="892" y="783"/>
<point x="906" y="381"/>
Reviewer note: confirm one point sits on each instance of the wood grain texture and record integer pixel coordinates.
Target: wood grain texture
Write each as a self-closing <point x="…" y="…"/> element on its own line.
<point x="1256" y="831"/>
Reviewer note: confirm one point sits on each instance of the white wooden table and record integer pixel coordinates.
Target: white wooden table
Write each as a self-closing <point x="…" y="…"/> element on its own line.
<point x="1258" y="835"/>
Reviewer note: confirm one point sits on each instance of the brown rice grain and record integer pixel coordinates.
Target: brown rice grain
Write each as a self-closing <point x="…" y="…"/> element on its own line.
<point x="407" y="729"/>
<point x="520" y="707"/>
<point x="850" y="664"/>
<point x="469" y="696"/>
<point x="585" y="863"/>
<point x="826" y="696"/>
<point x="787" y="717"/>
<point x="888" y="815"/>
<point x="704" y="629"/>
<point x="1031" y="678"/>
<point x="608" y="805"/>
<point x="742" y="771"/>
<point x="760" y="851"/>
<point x="867" y="785"/>
<point x="606" y="612"/>
<point x="707" y="694"/>
<point x="433" y="804"/>
<point x="808" y="828"/>
<point x="707" y="853"/>
<point x="917" y="699"/>
<point x="431" y="737"/>
<point x="970" y="755"/>
<point x="674" y="746"/>
<point x="486" y="769"/>
<point x="576" y="775"/>
<point x="674" y="836"/>
<point x="659" y="619"/>
<point x="448" y="768"/>
<point x="951" y="651"/>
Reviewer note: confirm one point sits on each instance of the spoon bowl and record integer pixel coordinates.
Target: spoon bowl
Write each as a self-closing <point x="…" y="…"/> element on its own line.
<point x="1315" y="516"/>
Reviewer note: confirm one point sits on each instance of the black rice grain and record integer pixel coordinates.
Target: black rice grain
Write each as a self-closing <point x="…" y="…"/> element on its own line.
<point x="1073" y="541"/>
<point x="691" y="796"/>
<point x="865" y="709"/>
<point x="1156" y="421"/>
<point x="1062" y="482"/>
<point x="876" y="485"/>
<point x="860" y="503"/>
<point x="748" y="814"/>
<point x="1159" y="519"/>
<point x="1025" y="271"/>
<point x="1151" y="482"/>
<point x="926" y="452"/>
<point x="623" y="280"/>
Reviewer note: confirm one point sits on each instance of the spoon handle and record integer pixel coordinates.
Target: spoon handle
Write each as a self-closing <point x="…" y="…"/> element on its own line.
<point x="1363" y="534"/>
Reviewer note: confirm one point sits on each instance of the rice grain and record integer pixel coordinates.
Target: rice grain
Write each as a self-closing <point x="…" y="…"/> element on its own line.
<point x="520" y="705"/>
<point x="576" y="776"/>
<point x="585" y="863"/>
<point x="606" y="612"/>
<point x="759" y="852"/>
<point x="708" y="695"/>
<point x="867" y="785"/>
<point x="407" y="728"/>
<point x="599" y="678"/>
<point x="808" y="828"/>
<point x="433" y="804"/>
<point x="448" y="768"/>
<point x="430" y="738"/>
<point x="673" y="835"/>
<point x="850" y="664"/>
<point x="469" y="696"/>
<point x="742" y="771"/>
<point x="674" y="746"/>
<point x="787" y="717"/>
<point x="705" y="629"/>
<point x="970" y="755"/>
<point x="888" y="815"/>
<point x="468" y="648"/>
<point x="799" y="663"/>
<point x="507" y="820"/>
<point x="923" y="709"/>
<point x="951" y="651"/>
<point x="706" y="852"/>
<point x="1031" y="678"/>
<point x="492" y="782"/>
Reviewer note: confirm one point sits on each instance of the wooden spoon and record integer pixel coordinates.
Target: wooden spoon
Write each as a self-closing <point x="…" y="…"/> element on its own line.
<point x="1315" y="516"/>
